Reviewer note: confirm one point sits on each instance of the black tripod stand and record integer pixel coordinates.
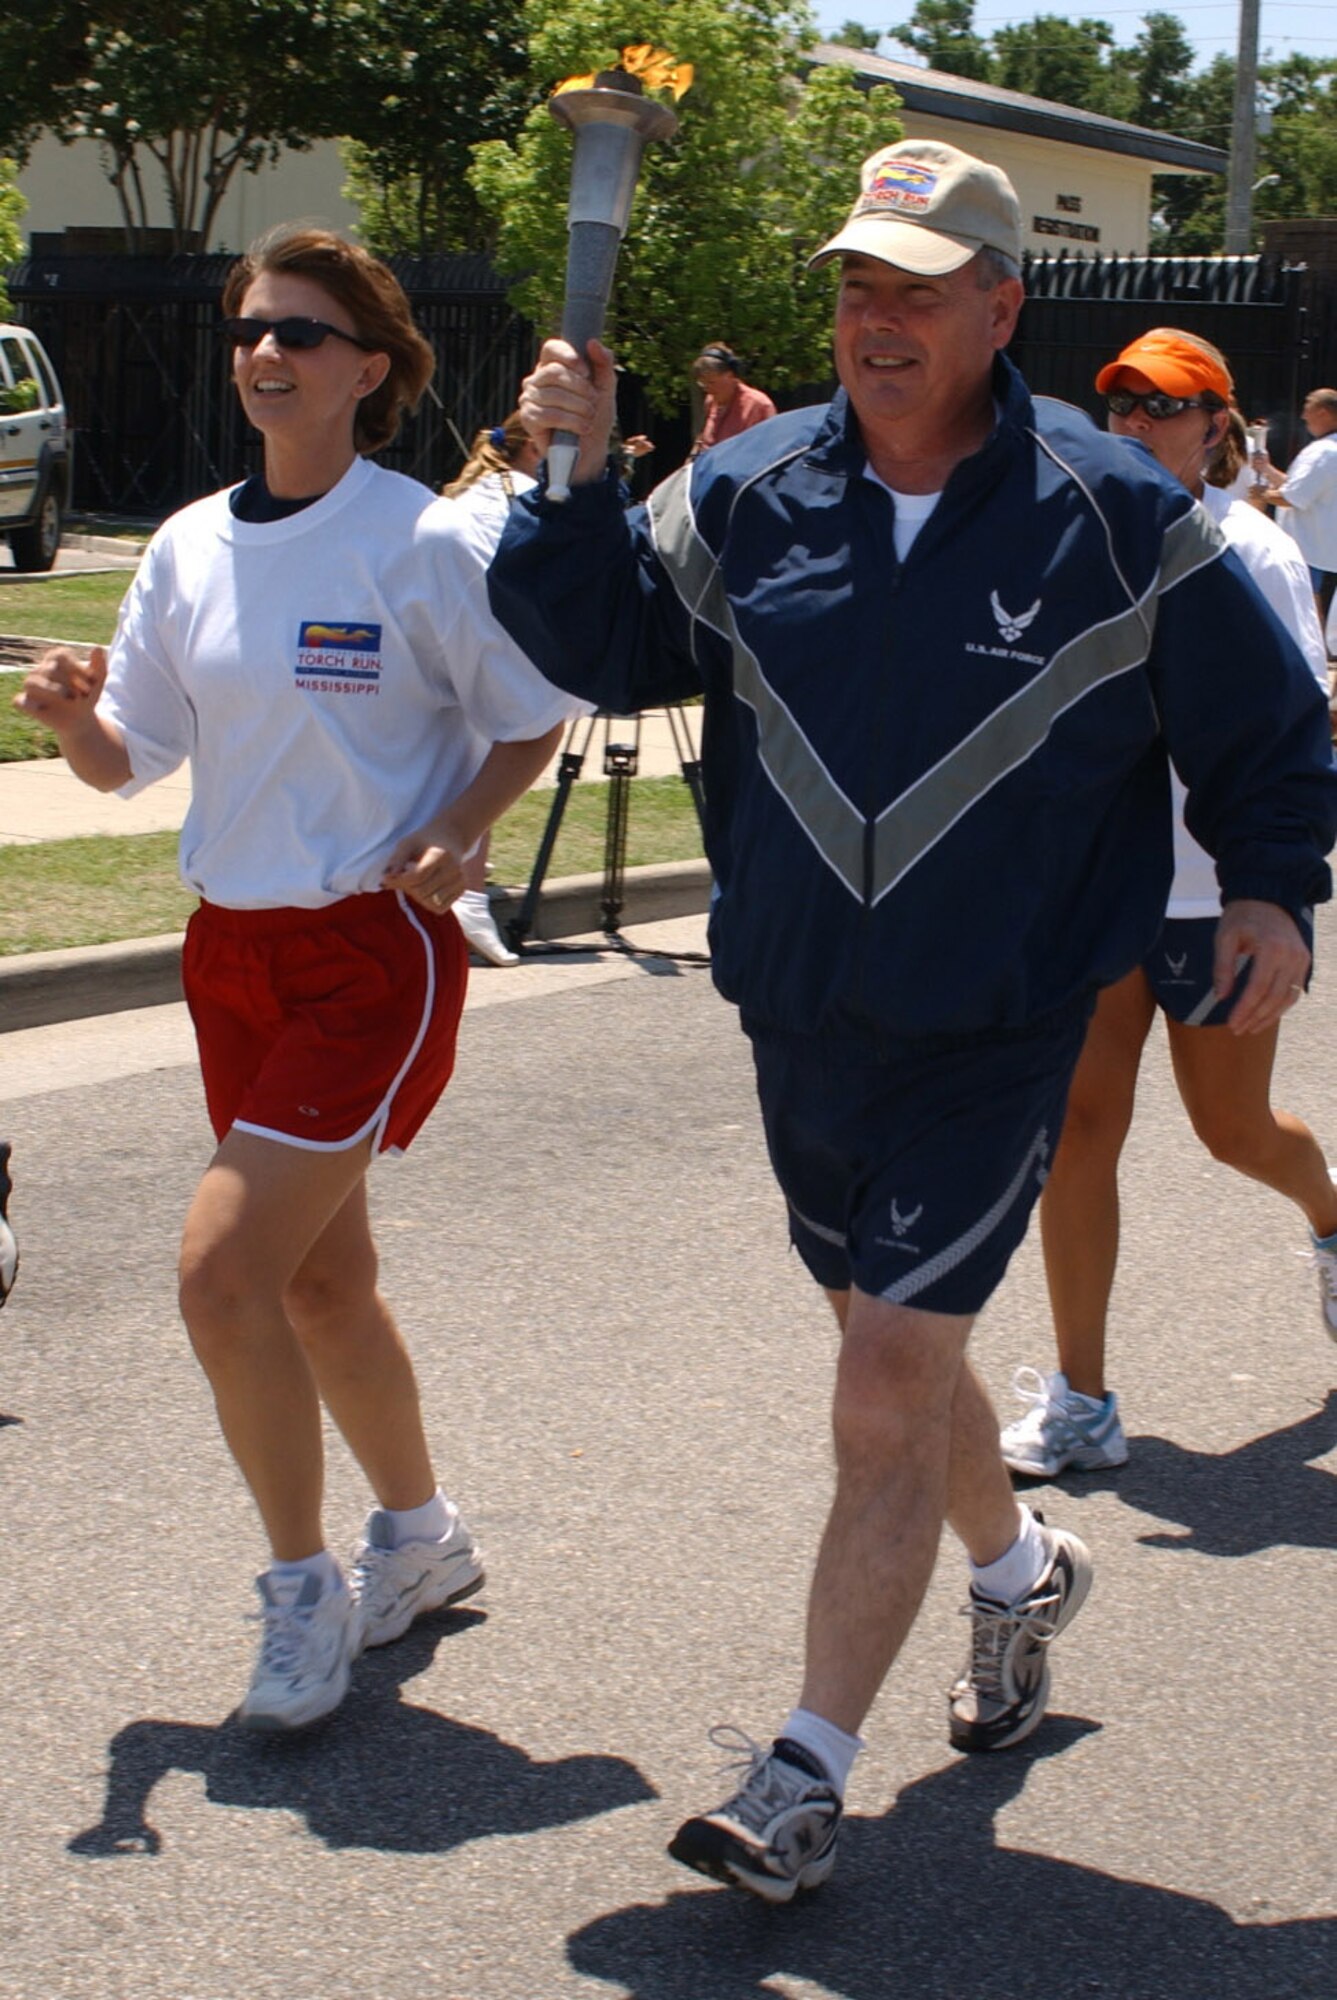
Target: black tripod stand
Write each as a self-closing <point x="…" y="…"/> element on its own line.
<point x="621" y="762"/>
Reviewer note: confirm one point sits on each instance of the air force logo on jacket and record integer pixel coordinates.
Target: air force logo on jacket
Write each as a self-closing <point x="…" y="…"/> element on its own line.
<point x="937" y="789"/>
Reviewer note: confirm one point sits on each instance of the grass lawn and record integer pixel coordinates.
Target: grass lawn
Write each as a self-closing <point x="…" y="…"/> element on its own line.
<point x="62" y="893"/>
<point x="81" y="608"/>
<point x="20" y="738"/>
<point x="65" y="607"/>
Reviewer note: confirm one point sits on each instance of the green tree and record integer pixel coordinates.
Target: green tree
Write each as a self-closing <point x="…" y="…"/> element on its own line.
<point x="12" y="206"/>
<point x="1300" y="146"/>
<point x="183" y="94"/>
<point x="943" y="33"/>
<point x="726" y="213"/>
<point x="425" y="82"/>
<point x="1189" y="210"/>
<point x="1056" y="58"/>
<point x="43" y="55"/>
<point x="1148" y="83"/>
<point x="853" y="35"/>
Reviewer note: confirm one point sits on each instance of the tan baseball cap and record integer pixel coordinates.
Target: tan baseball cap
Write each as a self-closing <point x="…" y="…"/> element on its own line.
<point x="928" y="208"/>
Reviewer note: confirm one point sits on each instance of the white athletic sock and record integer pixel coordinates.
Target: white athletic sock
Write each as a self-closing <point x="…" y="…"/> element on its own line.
<point x="833" y="1749"/>
<point x="431" y="1522"/>
<point x="321" y="1565"/>
<point x="1018" y="1569"/>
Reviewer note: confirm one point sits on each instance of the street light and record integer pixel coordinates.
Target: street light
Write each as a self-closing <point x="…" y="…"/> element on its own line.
<point x="1268" y="181"/>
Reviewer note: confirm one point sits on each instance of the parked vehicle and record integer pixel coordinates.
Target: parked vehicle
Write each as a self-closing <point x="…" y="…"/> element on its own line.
<point x="34" y="450"/>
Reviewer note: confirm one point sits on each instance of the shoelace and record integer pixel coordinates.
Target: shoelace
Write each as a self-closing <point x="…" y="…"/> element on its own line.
<point x="281" y="1640"/>
<point x="753" y="1802"/>
<point x="1043" y="1407"/>
<point x="372" y="1577"/>
<point x="992" y="1633"/>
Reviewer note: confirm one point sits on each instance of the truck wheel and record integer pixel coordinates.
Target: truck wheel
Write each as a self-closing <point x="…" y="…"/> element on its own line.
<point x="35" y="546"/>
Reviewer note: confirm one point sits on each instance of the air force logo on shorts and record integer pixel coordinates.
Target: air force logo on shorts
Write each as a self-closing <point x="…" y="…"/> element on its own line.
<point x="338" y="656"/>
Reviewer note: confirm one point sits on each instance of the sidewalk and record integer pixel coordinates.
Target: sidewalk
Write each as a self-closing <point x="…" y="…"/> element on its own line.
<point x="42" y="801"/>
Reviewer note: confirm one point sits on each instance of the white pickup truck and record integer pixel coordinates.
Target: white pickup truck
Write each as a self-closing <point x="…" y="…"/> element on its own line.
<point x="35" y="462"/>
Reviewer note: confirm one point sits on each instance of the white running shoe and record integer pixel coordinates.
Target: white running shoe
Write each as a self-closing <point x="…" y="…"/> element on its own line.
<point x="1061" y="1429"/>
<point x="393" y="1586"/>
<point x="1325" y="1263"/>
<point x="308" y="1644"/>
<point x="474" y="914"/>
<point x="9" y="1249"/>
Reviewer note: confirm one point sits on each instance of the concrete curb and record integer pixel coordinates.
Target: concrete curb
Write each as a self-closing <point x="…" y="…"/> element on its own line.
<point x="103" y="545"/>
<point x="39" y="988"/>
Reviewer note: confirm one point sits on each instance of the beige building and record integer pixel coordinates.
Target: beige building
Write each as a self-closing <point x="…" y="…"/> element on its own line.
<point x="66" y="188"/>
<point x="1084" y="182"/>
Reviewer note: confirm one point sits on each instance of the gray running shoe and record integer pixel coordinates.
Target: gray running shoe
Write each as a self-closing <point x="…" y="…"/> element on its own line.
<point x="1001" y="1695"/>
<point x="393" y="1586"/>
<point x="778" y="1831"/>
<point x="308" y="1644"/>
<point x="1061" y="1429"/>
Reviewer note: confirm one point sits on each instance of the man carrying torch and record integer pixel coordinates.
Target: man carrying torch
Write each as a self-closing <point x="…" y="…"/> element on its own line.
<point x="948" y="639"/>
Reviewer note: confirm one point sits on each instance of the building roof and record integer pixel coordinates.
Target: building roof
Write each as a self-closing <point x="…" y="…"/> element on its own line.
<point x="942" y="95"/>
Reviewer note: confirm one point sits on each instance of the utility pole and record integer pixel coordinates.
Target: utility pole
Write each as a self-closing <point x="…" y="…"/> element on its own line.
<point x="1239" y="184"/>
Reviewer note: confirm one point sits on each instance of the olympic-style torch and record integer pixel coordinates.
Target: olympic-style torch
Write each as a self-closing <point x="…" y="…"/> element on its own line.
<point x="611" y="119"/>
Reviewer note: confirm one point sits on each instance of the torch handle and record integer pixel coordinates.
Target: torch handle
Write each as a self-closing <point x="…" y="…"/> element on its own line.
<point x="590" y="262"/>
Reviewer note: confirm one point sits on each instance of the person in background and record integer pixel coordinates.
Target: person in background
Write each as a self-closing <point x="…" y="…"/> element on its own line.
<point x="733" y="405"/>
<point x="501" y="464"/>
<point x="1168" y="391"/>
<point x="948" y="637"/>
<point x="1306" y="495"/>
<point x="316" y="642"/>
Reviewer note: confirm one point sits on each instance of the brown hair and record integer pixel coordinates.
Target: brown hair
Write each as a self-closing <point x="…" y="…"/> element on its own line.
<point x="374" y="299"/>
<point x="495" y="450"/>
<point x="1232" y="454"/>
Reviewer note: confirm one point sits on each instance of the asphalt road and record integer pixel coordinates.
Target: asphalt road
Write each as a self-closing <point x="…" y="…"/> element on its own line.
<point x="626" y="1378"/>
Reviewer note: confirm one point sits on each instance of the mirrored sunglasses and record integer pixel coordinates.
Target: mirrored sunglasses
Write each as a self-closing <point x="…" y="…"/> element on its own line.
<point x="294" y="333"/>
<point x="1121" y="402"/>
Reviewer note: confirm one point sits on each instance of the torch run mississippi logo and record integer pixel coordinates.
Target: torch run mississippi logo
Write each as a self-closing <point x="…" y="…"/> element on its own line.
<point x="338" y="657"/>
<point x="899" y="184"/>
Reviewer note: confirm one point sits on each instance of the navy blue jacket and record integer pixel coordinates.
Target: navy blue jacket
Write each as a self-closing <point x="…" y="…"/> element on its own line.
<point x="936" y="790"/>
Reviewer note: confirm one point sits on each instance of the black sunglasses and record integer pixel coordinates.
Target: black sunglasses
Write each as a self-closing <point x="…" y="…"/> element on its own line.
<point x="1120" y="402"/>
<point x="295" y="333"/>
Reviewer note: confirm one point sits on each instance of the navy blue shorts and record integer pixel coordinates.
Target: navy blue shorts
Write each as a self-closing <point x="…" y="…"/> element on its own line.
<point x="912" y="1173"/>
<point x="1179" y="971"/>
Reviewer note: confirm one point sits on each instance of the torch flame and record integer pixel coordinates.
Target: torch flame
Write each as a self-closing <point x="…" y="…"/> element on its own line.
<point x="655" y="68"/>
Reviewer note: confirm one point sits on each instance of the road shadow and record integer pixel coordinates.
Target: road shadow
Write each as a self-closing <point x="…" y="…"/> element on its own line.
<point x="1265" y="1494"/>
<point x="925" y="1905"/>
<point x="381" y="1773"/>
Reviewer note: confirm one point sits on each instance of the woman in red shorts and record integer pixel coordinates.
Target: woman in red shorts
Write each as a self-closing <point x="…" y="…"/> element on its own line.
<point x="317" y="643"/>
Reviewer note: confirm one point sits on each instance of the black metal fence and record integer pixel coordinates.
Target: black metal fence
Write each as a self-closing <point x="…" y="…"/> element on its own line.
<point x="157" y="424"/>
<point x="1080" y="312"/>
<point x="147" y="379"/>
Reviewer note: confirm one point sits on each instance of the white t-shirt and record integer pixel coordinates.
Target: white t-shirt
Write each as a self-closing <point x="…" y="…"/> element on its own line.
<point x="1311" y="487"/>
<point x="1278" y="569"/>
<point x="912" y="510"/>
<point x="334" y="679"/>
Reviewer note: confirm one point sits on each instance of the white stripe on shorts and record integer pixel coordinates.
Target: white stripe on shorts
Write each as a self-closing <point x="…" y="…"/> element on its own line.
<point x="956" y="1253"/>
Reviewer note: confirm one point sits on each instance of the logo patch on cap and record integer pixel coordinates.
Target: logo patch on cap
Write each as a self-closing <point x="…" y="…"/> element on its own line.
<point x="899" y="184"/>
